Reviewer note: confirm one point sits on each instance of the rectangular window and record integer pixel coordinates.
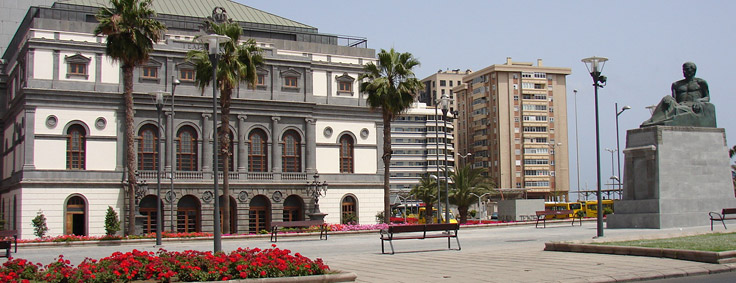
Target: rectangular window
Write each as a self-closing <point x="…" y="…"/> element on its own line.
<point x="261" y="80"/>
<point x="290" y="82"/>
<point x="79" y="69"/>
<point x="345" y="87"/>
<point x="442" y="83"/>
<point x="186" y="75"/>
<point x="150" y="73"/>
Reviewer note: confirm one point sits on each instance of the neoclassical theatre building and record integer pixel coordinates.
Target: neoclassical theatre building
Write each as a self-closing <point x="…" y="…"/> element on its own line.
<point x="63" y="114"/>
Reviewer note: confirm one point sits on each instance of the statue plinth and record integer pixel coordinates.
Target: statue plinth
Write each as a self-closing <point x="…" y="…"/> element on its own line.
<point x="673" y="176"/>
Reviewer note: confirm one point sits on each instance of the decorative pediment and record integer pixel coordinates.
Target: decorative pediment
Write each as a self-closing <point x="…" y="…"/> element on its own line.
<point x="78" y="59"/>
<point x="185" y="65"/>
<point x="152" y="63"/>
<point x="262" y="71"/>
<point x="344" y="78"/>
<point x="290" y="73"/>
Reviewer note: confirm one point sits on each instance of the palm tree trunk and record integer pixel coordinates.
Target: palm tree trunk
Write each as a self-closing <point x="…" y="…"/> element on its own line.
<point x="225" y="150"/>
<point x="386" y="168"/>
<point x="130" y="163"/>
<point x="429" y="213"/>
<point x="463" y="211"/>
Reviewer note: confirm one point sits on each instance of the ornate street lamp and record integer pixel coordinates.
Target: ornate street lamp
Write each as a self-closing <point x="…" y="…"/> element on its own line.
<point x="595" y="67"/>
<point x="618" y="146"/>
<point x="316" y="189"/>
<point x="158" y="98"/>
<point x="214" y="41"/>
<point x="445" y="103"/>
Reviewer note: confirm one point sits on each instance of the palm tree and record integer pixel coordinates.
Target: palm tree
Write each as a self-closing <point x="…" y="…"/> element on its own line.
<point x="468" y="180"/>
<point x="237" y="63"/>
<point x="131" y="30"/>
<point x="391" y="86"/>
<point x="426" y="191"/>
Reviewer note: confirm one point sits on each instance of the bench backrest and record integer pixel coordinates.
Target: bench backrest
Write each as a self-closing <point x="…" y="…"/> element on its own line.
<point x="8" y="233"/>
<point x="554" y="212"/>
<point x="303" y="223"/>
<point x="405" y="228"/>
<point x="728" y="211"/>
<point x="442" y="226"/>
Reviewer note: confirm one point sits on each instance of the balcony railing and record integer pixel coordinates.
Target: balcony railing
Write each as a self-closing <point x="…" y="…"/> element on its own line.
<point x="150" y="176"/>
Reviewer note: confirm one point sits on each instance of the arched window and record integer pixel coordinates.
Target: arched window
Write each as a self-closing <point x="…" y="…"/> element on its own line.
<point x="188" y="214"/>
<point x="186" y="151"/>
<point x="346" y="154"/>
<point x="292" y="155"/>
<point x="221" y="158"/>
<point x="76" y="217"/>
<point x="293" y="208"/>
<point x="257" y="151"/>
<point x="148" y="148"/>
<point x="75" y="147"/>
<point x="349" y="212"/>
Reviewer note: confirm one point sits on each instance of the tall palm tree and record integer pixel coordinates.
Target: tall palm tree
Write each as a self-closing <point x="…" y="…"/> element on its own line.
<point x="468" y="180"/>
<point x="391" y="85"/>
<point x="426" y="191"/>
<point x="237" y="62"/>
<point x="131" y="30"/>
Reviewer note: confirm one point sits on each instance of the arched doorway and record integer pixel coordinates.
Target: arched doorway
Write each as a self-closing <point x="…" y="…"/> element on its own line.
<point x="76" y="216"/>
<point x="149" y="210"/>
<point x="259" y="214"/>
<point x="233" y="215"/>
<point x="293" y="208"/>
<point x="349" y="210"/>
<point x="188" y="215"/>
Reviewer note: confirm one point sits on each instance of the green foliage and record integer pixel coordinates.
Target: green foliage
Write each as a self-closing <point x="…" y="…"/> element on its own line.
<point x="715" y="242"/>
<point x="607" y="211"/>
<point x="379" y="217"/>
<point x="581" y="214"/>
<point x="112" y="223"/>
<point x="131" y="29"/>
<point x="473" y="213"/>
<point x="466" y="182"/>
<point x="39" y="224"/>
<point x="426" y="191"/>
<point x="350" y="218"/>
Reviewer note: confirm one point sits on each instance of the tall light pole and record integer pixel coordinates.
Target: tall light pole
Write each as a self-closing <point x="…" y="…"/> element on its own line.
<point x="479" y="207"/>
<point x="595" y="67"/>
<point x="465" y="161"/>
<point x="612" y="150"/>
<point x="618" y="146"/>
<point x="437" y="154"/>
<point x="445" y="101"/>
<point x="214" y="41"/>
<point x="577" y="142"/>
<point x="553" y="147"/>
<point x="158" y="98"/>
<point x="172" y="195"/>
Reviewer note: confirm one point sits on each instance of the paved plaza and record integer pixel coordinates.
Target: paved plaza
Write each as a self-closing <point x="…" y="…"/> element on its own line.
<point x="489" y="254"/>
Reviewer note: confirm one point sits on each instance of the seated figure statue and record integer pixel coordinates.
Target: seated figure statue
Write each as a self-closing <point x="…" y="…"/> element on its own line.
<point x="689" y="104"/>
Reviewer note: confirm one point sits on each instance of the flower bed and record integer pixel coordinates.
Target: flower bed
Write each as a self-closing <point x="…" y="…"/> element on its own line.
<point x="165" y="266"/>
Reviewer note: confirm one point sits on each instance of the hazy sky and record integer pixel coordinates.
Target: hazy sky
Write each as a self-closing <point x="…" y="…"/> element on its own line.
<point x="646" y="43"/>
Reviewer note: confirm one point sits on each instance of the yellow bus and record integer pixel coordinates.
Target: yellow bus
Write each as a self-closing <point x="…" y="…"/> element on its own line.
<point x="574" y="206"/>
<point x="423" y="219"/>
<point x="590" y="207"/>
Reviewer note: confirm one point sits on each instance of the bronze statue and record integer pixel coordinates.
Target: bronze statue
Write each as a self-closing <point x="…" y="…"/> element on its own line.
<point x="689" y="104"/>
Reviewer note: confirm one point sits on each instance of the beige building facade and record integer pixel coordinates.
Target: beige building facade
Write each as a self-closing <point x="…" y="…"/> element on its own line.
<point x="512" y="117"/>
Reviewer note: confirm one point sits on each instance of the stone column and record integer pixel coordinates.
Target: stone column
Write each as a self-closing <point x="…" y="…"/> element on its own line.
<point x="276" y="144"/>
<point x="311" y="140"/>
<point x="242" y="145"/>
<point x="206" y="143"/>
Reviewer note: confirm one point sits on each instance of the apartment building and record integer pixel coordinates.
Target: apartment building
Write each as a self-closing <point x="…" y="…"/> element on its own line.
<point x="513" y="119"/>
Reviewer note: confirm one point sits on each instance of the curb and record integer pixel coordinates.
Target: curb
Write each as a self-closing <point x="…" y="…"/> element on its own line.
<point x="699" y="256"/>
<point x="333" y="277"/>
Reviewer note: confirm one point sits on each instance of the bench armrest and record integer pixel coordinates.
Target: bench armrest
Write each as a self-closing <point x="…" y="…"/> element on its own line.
<point x="718" y="215"/>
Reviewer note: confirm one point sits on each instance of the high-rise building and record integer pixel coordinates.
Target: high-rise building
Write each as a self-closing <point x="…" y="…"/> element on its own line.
<point x="63" y="122"/>
<point x="441" y="83"/>
<point x="418" y="144"/>
<point x="513" y="119"/>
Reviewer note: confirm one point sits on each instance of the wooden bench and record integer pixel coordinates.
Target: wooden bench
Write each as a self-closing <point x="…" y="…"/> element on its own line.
<point x="6" y="244"/>
<point x="419" y="232"/>
<point x="542" y="215"/>
<point x="304" y="225"/>
<point x="726" y="214"/>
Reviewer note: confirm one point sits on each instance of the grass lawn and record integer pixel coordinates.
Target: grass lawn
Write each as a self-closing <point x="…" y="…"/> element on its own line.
<point x="716" y="242"/>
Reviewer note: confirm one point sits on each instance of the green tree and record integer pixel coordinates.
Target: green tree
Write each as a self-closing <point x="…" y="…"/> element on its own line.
<point x="131" y="30"/>
<point x="467" y="180"/>
<point x="426" y="191"/>
<point x="237" y="62"/>
<point x="391" y="85"/>
<point x="39" y="224"/>
<point x="112" y="224"/>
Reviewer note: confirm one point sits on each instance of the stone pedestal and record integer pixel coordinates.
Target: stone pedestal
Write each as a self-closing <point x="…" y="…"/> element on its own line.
<point x="673" y="176"/>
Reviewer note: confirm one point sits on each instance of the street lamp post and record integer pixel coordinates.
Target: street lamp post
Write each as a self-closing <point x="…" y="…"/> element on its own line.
<point x="437" y="154"/>
<point x="172" y="195"/>
<point x="482" y="209"/>
<point x="465" y="162"/>
<point x="553" y="147"/>
<point x="445" y="101"/>
<point x="612" y="150"/>
<point x="316" y="189"/>
<point x="158" y="98"/>
<point x="214" y="41"/>
<point x="577" y="142"/>
<point x="618" y="146"/>
<point x="595" y="67"/>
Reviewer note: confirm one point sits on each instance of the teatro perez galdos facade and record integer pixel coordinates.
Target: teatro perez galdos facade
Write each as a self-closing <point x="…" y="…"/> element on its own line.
<point x="63" y="150"/>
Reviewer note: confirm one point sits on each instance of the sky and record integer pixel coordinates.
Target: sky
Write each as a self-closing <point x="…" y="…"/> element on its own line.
<point x="646" y="43"/>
